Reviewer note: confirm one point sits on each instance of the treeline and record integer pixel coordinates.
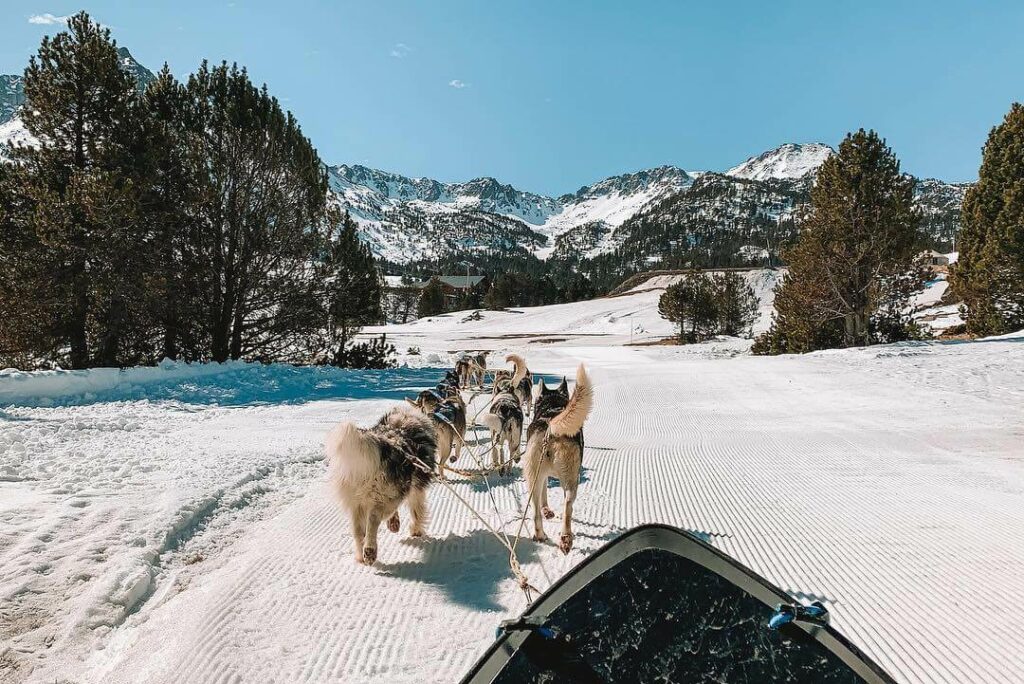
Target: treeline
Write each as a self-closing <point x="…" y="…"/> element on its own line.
<point x="515" y="277"/>
<point x="856" y="264"/>
<point x="187" y="221"/>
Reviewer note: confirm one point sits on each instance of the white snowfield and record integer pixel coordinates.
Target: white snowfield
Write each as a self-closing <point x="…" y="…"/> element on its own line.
<point x="172" y="524"/>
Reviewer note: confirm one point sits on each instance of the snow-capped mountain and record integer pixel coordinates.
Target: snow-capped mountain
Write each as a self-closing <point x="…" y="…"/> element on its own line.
<point x="791" y="161"/>
<point x="389" y="206"/>
<point x="645" y="216"/>
<point x="12" y="95"/>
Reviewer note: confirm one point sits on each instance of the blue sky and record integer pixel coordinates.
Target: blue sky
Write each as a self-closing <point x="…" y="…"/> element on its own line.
<point x="551" y="95"/>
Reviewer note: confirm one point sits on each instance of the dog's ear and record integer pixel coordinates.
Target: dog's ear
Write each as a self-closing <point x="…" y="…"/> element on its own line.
<point x="564" y="387"/>
<point x="412" y="403"/>
<point x="541" y="387"/>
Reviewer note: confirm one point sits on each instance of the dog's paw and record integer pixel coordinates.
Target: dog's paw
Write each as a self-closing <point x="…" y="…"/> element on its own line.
<point x="547" y="513"/>
<point x="417" y="533"/>
<point x="565" y="542"/>
<point x="394" y="522"/>
<point x="369" y="556"/>
<point x="452" y="458"/>
<point x="540" y="536"/>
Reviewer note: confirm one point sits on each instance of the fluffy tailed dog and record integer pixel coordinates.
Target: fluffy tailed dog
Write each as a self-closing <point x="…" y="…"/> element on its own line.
<point x="448" y="415"/>
<point x="505" y="421"/>
<point x="372" y="473"/>
<point x="522" y="381"/>
<point x="554" y="446"/>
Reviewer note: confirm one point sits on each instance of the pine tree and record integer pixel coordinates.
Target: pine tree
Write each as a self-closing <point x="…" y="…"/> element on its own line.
<point x="736" y="304"/>
<point x="353" y="289"/>
<point x="403" y="300"/>
<point x="431" y="299"/>
<point x="989" y="274"/>
<point x="855" y="258"/>
<point x="84" y="238"/>
<point x="691" y="304"/>
<point x="170" y="162"/>
<point x="262" y="220"/>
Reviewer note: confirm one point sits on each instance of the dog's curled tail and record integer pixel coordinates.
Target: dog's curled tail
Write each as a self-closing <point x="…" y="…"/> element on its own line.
<point x="520" y="368"/>
<point x="351" y="454"/>
<point x="570" y="421"/>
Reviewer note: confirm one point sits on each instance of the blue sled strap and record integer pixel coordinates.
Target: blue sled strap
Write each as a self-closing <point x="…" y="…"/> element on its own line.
<point x="814" y="614"/>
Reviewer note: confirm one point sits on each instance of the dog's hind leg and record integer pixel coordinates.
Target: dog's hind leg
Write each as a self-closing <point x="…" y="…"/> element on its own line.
<point x="544" y="508"/>
<point x="515" y="440"/>
<point x="457" y="449"/>
<point x="536" y="481"/>
<point x="373" y="520"/>
<point x="566" y="537"/>
<point x="358" y="530"/>
<point x="394" y="522"/>
<point x="496" y="449"/>
<point x="444" y="446"/>
<point x="418" y="508"/>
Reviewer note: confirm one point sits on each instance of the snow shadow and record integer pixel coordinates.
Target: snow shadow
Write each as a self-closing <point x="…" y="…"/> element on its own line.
<point x="233" y="385"/>
<point x="468" y="569"/>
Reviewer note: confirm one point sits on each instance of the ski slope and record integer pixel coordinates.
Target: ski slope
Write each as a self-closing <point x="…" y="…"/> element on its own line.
<point x="166" y="525"/>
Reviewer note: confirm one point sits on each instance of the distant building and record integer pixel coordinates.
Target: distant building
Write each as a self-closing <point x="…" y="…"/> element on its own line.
<point x="457" y="284"/>
<point x="937" y="262"/>
<point x="454" y="287"/>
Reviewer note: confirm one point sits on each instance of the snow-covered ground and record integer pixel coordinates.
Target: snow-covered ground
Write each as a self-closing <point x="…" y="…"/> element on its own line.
<point x="172" y="524"/>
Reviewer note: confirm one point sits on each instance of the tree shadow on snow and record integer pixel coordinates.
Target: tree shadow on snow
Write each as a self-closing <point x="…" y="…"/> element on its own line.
<point x="468" y="569"/>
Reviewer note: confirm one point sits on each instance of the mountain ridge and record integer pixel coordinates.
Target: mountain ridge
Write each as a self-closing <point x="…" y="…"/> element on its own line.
<point x="406" y="219"/>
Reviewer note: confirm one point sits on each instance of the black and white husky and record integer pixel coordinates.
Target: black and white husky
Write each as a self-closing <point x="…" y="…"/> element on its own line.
<point x="554" y="446"/>
<point x="505" y="421"/>
<point x="372" y="471"/>
<point x="448" y="415"/>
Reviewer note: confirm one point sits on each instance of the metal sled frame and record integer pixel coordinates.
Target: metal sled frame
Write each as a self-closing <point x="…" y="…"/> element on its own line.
<point x="681" y="543"/>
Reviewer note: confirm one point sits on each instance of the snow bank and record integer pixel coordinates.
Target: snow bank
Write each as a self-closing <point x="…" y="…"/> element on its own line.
<point x="235" y="383"/>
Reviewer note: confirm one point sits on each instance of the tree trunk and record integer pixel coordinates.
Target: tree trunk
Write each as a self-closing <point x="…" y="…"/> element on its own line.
<point x="79" y="318"/>
<point x="856" y="329"/>
<point x="236" y="333"/>
<point x="171" y="323"/>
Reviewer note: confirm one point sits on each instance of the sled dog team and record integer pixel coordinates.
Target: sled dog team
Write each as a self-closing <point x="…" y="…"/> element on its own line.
<point x="373" y="470"/>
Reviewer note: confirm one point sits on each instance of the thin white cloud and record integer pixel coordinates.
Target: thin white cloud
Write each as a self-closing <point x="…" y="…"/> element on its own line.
<point x="456" y="83"/>
<point x="400" y="51"/>
<point x="47" y="19"/>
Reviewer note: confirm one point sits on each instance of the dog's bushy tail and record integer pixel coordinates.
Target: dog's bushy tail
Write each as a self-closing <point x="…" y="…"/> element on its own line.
<point x="352" y="455"/>
<point x="520" y="365"/>
<point x="570" y="421"/>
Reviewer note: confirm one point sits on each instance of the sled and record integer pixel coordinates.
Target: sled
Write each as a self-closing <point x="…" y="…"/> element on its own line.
<point x="660" y="605"/>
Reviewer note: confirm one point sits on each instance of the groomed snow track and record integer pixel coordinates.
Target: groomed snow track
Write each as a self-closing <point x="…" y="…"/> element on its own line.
<point x="888" y="483"/>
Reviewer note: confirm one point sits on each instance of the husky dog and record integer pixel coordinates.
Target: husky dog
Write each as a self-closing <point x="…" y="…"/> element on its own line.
<point x="448" y="387"/>
<point x="463" y="366"/>
<point x="505" y="421"/>
<point x="448" y="414"/>
<point x="472" y="367"/>
<point x="554" y="446"/>
<point x="522" y="381"/>
<point x="372" y="471"/>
